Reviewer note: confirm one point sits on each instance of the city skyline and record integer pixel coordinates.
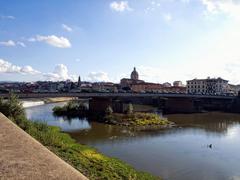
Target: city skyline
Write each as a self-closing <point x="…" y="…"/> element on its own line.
<point x="103" y="41"/>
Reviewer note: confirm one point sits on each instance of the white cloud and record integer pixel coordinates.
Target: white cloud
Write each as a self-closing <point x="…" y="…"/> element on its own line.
<point x="167" y="17"/>
<point x="229" y="7"/>
<point x="7" y="67"/>
<point x="7" y="17"/>
<point x="11" y="43"/>
<point x="120" y="6"/>
<point x="8" y="43"/>
<point x="60" y="73"/>
<point x="98" y="77"/>
<point x="185" y="1"/>
<point x="21" y="44"/>
<point x="29" y="70"/>
<point x="66" y="28"/>
<point x="153" y="5"/>
<point x="32" y="39"/>
<point x="60" y="42"/>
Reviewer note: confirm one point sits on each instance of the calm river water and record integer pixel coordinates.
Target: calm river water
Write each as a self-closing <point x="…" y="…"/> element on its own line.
<point x="180" y="153"/>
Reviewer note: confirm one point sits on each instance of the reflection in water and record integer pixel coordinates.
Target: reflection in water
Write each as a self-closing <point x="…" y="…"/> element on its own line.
<point x="44" y="114"/>
<point x="179" y="153"/>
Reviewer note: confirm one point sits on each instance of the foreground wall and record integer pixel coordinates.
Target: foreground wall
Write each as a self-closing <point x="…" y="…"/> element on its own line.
<point x="22" y="157"/>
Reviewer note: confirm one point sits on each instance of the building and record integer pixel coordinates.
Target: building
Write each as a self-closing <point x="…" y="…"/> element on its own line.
<point x="139" y="86"/>
<point x="134" y="74"/>
<point x="209" y="86"/>
<point x="175" y="89"/>
<point x="178" y="84"/>
<point x="167" y="84"/>
<point x="79" y="82"/>
<point x="104" y="87"/>
<point x="146" y="87"/>
<point x="233" y="89"/>
<point x="126" y="83"/>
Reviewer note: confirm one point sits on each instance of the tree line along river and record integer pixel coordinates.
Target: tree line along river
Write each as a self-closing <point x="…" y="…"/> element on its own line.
<point x="203" y="146"/>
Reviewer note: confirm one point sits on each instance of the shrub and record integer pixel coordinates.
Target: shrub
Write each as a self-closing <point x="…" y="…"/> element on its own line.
<point x="72" y="108"/>
<point x="130" y="109"/>
<point x="12" y="107"/>
<point x="109" y="110"/>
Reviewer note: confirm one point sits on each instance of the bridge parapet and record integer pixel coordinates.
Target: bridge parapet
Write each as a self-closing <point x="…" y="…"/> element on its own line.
<point x="112" y="95"/>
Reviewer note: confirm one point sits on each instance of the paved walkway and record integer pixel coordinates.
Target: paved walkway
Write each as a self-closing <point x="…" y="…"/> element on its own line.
<point x="22" y="157"/>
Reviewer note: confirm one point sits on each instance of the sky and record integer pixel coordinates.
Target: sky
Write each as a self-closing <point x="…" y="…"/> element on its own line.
<point x="102" y="40"/>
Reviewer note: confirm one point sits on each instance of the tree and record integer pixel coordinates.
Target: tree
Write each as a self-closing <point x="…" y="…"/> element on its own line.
<point x="109" y="110"/>
<point x="12" y="107"/>
<point x="129" y="108"/>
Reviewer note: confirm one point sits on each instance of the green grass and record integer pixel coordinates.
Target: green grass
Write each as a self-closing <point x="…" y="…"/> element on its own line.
<point x="87" y="160"/>
<point x="136" y="119"/>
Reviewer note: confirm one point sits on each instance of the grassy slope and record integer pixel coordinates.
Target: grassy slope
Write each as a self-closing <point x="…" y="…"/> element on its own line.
<point x="85" y="159"/>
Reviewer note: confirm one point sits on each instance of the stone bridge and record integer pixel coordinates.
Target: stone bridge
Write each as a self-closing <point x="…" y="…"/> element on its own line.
<point x="168" y="103"/>
<point x="114" y="95"/>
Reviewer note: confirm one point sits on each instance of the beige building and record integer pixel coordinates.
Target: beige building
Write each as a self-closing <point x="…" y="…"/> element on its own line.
<point x="134" y="79"/>
<point x="211" y="86"/>
<point x="178" y="84"/>
<point x="234" y="89"/>
<point x="167" y="84"/>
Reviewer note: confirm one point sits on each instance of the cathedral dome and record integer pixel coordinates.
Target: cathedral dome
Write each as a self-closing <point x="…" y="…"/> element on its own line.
<point x="134" y="74"/>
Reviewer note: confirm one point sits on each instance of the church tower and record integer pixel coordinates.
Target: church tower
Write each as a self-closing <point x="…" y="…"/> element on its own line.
<point x="134" y="74"/>
<point x="79" y="81"/>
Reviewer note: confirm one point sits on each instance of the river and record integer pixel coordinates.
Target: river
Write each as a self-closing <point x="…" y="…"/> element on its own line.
<point x="179" y="153"/>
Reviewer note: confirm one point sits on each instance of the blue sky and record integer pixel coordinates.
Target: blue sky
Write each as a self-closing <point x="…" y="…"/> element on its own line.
<point x="102" y="40"/>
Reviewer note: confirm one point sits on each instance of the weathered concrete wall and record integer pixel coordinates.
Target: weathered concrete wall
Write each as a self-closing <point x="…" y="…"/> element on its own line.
<point x="22" y="157"/>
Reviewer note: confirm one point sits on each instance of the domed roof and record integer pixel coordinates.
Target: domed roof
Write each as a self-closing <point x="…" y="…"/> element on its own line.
<point x="134" y="74"/>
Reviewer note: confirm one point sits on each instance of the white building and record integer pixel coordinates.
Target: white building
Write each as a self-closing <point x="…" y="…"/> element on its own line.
<point x="211" y="86"/>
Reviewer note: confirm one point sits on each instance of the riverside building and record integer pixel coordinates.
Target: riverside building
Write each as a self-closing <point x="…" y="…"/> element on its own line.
<point x="209" y="86"/>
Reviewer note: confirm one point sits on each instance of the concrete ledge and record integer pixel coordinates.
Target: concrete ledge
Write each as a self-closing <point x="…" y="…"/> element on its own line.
<point x="22" y="157"/>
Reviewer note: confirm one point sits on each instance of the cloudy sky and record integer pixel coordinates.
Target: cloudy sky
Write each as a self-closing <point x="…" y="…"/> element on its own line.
<point x="102" y="40"/>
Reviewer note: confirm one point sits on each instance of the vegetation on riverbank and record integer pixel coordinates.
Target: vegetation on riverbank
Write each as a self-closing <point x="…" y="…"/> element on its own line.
<point x="85" y="159"/>
<point x="72" y="108"/>
<point x="136" y="120"/>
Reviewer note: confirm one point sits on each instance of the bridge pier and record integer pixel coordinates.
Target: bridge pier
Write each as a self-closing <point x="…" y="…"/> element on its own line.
<point x="99" y="105"/>
<point x="180" y="105"/>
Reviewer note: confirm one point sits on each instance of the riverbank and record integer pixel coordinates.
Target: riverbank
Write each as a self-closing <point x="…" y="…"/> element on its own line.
<point x="85" y="159"/>
<point x="26" y="103"/>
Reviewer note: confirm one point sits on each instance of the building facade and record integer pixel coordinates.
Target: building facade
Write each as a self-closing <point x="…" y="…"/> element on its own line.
<point x="147" y="87"/>
<point x="209" y="86"/>
<point x="178" y="84"/>
<point x="134" y="79"/>
<point x="167" y="84"/>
